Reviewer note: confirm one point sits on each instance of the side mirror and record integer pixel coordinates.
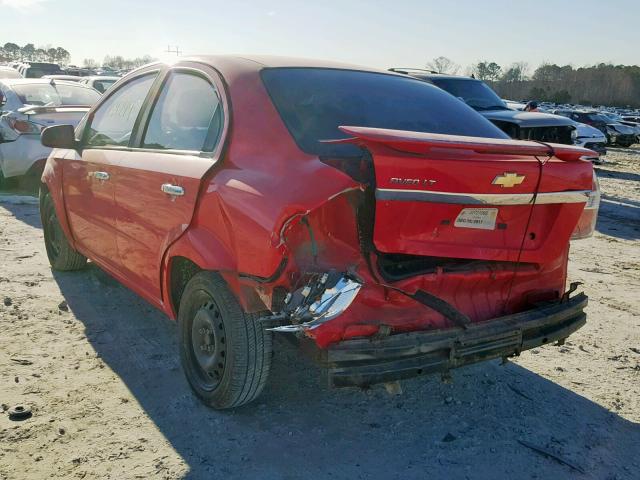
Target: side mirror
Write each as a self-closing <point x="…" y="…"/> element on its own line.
<point x="59" y="136"/>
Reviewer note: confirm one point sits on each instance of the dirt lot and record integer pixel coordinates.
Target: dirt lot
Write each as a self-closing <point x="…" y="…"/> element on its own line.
<point x="109" y="399"/>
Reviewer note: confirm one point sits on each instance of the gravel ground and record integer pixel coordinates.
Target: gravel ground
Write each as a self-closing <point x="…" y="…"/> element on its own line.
<point x="99" y="368"/>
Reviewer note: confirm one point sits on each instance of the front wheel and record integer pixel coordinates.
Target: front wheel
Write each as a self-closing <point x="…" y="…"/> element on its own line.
<point x="225" y="352"/>
<point x="61" y="255"/>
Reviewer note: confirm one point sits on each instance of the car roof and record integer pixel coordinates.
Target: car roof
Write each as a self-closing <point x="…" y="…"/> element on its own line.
<point x="229" y="64"/>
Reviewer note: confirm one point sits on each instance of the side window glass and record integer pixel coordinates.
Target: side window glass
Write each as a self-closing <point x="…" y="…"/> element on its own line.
<point x="187" y="115"/>
<point x="113" y="121"/>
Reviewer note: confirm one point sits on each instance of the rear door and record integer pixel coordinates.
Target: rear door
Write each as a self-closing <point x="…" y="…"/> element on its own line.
<point x="88" y="175"/>
<point x="157" y="182"/>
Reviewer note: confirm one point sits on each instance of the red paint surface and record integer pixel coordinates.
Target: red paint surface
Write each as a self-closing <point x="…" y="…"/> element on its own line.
<point x="242" y="210"/>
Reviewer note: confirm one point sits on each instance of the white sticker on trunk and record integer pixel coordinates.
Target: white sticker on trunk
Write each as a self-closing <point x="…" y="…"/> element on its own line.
<point x="482" y="218"/>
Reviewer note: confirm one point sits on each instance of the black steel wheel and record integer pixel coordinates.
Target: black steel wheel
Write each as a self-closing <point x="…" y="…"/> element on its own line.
<point x="208" y="344"/>
<point x="225" y="352"/>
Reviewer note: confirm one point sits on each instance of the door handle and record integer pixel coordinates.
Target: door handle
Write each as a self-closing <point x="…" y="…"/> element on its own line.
<point x="173" y="190"/>
<point x="100" y="176"/>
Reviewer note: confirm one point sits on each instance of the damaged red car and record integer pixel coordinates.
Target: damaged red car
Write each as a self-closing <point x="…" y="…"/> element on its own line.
<point x="370" y="215"/>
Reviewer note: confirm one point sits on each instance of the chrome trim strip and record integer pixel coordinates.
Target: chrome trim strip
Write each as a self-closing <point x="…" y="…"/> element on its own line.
<point x="572" y="196"/>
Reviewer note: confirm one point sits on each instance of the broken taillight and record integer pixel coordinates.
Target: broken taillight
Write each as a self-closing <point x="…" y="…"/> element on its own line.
<point x="587" y="222"/>
<point x="24" y="126"/>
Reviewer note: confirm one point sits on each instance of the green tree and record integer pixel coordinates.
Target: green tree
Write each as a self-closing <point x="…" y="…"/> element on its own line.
<point x="487" y="70"/>
<point x="52" y="54"/>
<point x="40" y="54"/>
<point x="62" y="56"/>
<point x="12" y="51"/>
<point x="28" y="51"/>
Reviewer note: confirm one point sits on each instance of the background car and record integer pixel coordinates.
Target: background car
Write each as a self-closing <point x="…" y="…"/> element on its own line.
<point x="100" y="82"/>
<point x="616" y="118"/>
<point x="39" y="69"/>
<point x="593" y="139"/>
<point x="479" y="96"/>
<point x="29" y="105"/>
<point x="8" y="72"/>
<point x="66" y="78"/>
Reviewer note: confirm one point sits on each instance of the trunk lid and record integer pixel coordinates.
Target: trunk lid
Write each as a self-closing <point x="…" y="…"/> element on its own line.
<point x="47" y="116"/>
<point x="473" y="198"/>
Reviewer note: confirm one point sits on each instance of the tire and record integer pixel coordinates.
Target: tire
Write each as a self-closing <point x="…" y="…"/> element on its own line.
<point x="61" y="255"/>
<point x="6" y="183"/>
<point x="225" y="352"/>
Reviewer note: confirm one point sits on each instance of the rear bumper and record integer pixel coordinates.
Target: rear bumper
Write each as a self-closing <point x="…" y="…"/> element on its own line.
<point x="17" y="157"/>
<point x="363" y="362"/>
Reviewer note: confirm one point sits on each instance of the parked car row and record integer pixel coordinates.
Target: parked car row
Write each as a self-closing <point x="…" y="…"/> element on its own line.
<point x="392" y="228"/>
<point x="26" y="107"/>
<point x="620" y="126"/>
<point x="616" y="133"/>
<point x="41" y="69"/>
<point x="510" y="117"/>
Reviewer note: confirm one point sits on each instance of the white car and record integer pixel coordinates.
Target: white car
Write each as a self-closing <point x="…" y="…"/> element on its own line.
<point x="100" y="82"/>
<point x="593" y="139"/>
<point x="27" y="106"/>
<point x="8" y="72"/>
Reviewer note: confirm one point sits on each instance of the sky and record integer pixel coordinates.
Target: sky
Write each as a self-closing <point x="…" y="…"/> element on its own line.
<point x="406" y="33"/>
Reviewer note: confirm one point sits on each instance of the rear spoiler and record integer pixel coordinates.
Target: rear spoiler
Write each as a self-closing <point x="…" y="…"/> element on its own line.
<point x="34" y="109"/>
<point x="421" y="143"/>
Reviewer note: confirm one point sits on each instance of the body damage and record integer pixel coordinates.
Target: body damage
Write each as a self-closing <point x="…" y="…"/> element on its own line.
<point x="272" y="220"/>
<point x="331" y="232"/>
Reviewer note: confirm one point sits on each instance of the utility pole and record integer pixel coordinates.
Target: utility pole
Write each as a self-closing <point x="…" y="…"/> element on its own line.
<point x="177" y="50"/>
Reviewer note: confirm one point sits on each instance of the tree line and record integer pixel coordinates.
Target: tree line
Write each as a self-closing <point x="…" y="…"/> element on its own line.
<point x="601" y="84"/>
<point x="119" y="62"/>
<point x="12" y="52"/>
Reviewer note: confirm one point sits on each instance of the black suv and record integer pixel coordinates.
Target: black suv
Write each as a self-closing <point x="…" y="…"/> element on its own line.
<point x="478" y="95"/>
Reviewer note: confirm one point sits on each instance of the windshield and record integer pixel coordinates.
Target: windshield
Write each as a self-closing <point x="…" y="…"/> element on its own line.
<point x="475" y="93"/>
<point x="55" y="95"/>
<point x="595" y="117"/>
<point x="314" y="102"/>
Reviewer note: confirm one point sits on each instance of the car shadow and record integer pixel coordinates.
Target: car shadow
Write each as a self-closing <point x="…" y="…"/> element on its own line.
<point x="19" y="198"/>
<point x="299" y="428"/>
<point x="619" y="217"/>
<point x="617" y="174"/>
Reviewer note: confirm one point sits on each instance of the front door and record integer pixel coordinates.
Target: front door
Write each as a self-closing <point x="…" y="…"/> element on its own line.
<point x="158" y="181"/>
<point x="88" y="182"/>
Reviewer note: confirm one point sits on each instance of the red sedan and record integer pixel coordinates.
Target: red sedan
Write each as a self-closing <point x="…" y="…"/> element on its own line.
<point x="368" y="214"/>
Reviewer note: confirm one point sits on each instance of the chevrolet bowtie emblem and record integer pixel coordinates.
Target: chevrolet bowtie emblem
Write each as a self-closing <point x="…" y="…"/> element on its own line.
<point x="508" y="180"/>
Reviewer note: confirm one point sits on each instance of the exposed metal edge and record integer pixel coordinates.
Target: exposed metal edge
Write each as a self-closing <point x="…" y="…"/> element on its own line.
<point x="573" y="196"/>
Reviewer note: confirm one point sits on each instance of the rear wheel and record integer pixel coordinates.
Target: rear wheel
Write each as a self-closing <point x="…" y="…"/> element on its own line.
<point x="61" y="255"/>
<point x="225" y="352"/>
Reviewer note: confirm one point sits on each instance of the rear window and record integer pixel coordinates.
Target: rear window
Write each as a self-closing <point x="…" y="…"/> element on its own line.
<point x="103" y="85"/>
<point x="46" y="94"/>
<point x="475" y="93"/>
<point x="314" y="102"/>
<point x="39" y="70"/>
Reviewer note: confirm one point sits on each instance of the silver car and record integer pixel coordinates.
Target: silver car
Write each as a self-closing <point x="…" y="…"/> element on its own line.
<point x="100" y="82"/>
<point x="26" y="107"/>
